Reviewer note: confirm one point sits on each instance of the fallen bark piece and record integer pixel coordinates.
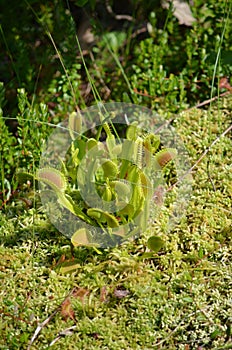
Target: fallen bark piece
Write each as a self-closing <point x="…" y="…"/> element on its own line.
<point x="181" y="11"/>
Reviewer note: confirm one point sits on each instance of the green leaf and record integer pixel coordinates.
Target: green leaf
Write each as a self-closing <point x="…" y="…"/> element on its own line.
<point x="101" y="217"/>
<point x="137" y="198"/>
<point x="155" y="243"/>
<point x="65" y="201"/>
<point x="128" y="210"/>
<point x="124" y="167"/>
<point x="116" y="150"/>
<point x="74" y="156"/>
<point x="111" y="220"/>
<point x="132" y="132"/>
<point x="145" y="256"/>
<point x="23" y="177"/>
<point x="115" y="40"/>
<point x="121" y="188"/>
<point x="81" y="3"/>
<point x="54" y="178"/>
<point x="145" y="184"/>
<point x="151" y="144"/>
<point x="94" y="213"/>
<point x="110" y="139"/>
<point x="68" y="202"/>
<point x="107" y="194"/>
<point x="81" y="146"/>
<point x="133" y="174"/>
<point x="138" y="152"/>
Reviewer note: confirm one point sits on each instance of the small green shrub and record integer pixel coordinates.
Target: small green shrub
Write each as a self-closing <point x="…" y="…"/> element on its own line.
<point x="21" y="152"/>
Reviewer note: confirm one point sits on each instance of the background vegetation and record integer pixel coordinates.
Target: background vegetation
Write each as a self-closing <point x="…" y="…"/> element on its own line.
<point x="126" y="297"/>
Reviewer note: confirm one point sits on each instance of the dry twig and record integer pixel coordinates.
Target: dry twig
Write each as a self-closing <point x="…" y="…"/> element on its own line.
<point x="67" y="331"/>
<point x="47" y="320"/>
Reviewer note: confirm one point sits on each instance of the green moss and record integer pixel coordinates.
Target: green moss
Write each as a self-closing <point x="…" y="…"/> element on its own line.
<point x="176" y="298"/>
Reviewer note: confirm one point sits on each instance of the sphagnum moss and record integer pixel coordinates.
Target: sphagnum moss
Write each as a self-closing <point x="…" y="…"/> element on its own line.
<point x="178" y="298"/>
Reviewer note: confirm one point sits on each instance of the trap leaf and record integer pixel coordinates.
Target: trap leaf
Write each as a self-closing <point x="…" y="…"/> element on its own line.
<point x="101" y="217"/>
<point x="23" y="177"/>
<point x="110" y="169"/>
<point x="75" y="124"/>
<point x="163" y="157"/>
<point x="53" y="178"/>
<point x="80" y="237"/>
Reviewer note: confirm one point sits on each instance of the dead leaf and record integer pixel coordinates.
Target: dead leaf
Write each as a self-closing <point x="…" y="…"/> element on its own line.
<point x="121" y="293"/>
<point x="84" y="32"/>
<point x="158" y="195"/>
<point x="103" y="294"/>
<point x="80" y="293"/>
<point x="67" y="310"/>
<point x="224" y="84"/>
<point x="181" y="11"/>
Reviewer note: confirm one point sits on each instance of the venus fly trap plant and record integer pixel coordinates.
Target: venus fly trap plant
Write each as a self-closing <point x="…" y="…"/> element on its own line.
<point x="103" y="185"/>
<point x="97" y="179"/>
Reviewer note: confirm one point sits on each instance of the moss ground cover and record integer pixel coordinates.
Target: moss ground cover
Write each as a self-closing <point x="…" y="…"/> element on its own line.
<point x="126" y="297"/>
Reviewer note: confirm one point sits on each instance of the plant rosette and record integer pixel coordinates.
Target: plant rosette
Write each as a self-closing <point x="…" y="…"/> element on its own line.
<point x="104" y="173"/>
